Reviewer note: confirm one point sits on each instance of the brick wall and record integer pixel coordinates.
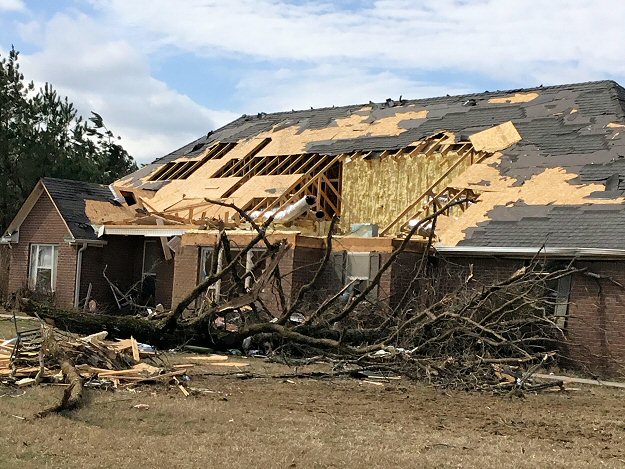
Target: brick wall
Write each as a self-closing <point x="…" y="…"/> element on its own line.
<point x="595" y="326"/>
<point x="5" y="269"/>
<point x="44" y="225"/>
<point x="185" y="272"/>
<point x="596" y="323"/>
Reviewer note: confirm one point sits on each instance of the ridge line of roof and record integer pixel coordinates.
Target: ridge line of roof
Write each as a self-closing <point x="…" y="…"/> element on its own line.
<point x="607" y="83"/>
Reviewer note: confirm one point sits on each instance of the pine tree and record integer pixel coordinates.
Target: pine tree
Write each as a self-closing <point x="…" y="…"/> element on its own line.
<point x="42" y="134"/>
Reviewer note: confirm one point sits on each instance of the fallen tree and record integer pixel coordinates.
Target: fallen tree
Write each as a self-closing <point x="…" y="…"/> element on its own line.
<point x="464" y="339"/>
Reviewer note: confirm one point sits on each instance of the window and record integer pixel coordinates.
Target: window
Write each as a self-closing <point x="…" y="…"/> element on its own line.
<point x="357" y="267"/>
<point x="206" y="261"/>
<point x="561" y="304"/>
<point x="43" y="261"/>
<point x="252" y="264"/>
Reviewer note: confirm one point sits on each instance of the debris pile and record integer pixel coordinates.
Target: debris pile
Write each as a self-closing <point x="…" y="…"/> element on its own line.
<point x="47" y="355"/>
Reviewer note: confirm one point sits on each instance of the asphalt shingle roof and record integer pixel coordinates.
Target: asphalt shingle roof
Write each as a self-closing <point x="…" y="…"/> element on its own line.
<point x="575" y="127"/>
<point x="70" y="196"/>
<point x="571" y="226"/>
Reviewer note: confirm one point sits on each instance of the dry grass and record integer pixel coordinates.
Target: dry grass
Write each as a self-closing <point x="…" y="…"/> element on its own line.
<point x="308" y="424"/>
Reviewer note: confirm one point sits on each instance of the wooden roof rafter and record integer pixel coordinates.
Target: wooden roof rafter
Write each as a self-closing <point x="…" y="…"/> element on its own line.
<point x="289" y="196"/>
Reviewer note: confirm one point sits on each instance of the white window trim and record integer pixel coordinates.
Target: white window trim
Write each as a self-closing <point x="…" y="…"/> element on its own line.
<point x="215" y="288"/>
<point x="249" y="264"/>
<point x="34" y="268"/>
<point x="145" y="274"/>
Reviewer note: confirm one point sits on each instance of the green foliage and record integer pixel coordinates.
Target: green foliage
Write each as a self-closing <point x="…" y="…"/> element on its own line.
<point x="42" y="134"/>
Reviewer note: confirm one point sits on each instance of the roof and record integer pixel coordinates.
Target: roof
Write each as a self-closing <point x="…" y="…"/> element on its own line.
<point x="575" y="226"/>
<point x="546" y="129"/>
<point x="70" y="197"/>
<point x="566" y="170"/>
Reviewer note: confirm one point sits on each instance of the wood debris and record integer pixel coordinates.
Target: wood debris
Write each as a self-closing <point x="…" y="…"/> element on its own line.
<point x="98" y="362"/>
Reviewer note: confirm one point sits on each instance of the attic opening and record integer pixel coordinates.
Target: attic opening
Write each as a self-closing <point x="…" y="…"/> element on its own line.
<point x="129" y="197"/>
<point x="184" y="169"/>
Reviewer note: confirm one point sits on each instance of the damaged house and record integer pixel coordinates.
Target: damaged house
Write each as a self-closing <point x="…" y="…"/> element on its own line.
<point x="539" y="169"/>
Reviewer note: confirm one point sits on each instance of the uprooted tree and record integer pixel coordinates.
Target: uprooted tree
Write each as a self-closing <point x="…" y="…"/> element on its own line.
<point x="457" y="339"/>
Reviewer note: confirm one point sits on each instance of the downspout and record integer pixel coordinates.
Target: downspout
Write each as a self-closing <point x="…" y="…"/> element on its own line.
<point x="78" y="274"/>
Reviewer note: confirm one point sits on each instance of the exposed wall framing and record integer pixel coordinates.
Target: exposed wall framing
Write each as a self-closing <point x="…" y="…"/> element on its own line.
<point x="452" y="159"/>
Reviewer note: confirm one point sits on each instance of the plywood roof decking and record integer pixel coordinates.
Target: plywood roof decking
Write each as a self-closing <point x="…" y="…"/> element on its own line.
<point x="564" y="138"/>
<point x="546" y="122"/>
<point x="551" y="187"/>
<point x="259" y="187"/>
<point x="79" y="201"/>
<point x="567" y="138"/>
<point x="198" y="187"/>
<point x="496" y="138"/>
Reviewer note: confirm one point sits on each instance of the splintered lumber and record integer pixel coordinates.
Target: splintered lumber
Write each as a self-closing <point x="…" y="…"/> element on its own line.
<point x="72" y="395"/>
<point x="211" y="358"/>
<point x="570" y="379"/>
<point x="25" y="382"/>
<point x="135" y="349"/>
<point x="227" y="364"/>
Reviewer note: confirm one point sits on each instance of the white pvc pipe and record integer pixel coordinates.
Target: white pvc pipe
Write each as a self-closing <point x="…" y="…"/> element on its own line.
<point x="297" y="209"/>
<point x="423" y="230"/>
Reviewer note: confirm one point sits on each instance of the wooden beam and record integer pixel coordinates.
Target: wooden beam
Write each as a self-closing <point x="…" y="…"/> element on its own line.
<point x="166" y="249"/>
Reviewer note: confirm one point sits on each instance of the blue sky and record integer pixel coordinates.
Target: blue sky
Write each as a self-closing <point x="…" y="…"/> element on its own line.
<point x="163" y="72"/>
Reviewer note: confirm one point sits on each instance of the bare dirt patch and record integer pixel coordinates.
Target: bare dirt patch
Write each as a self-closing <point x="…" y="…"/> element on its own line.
<point x="229" y="422"/>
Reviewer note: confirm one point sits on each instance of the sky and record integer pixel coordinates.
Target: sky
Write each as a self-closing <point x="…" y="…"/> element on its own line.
<point x="165" y="72"/>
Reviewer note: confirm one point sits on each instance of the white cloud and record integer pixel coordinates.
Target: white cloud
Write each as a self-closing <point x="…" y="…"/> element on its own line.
<point x="12" y="5"/>
<point x="98" y="72"/>
<point x="566" y="40"/>
<point x="297" y="55"/>
<point x="328" y="85"/>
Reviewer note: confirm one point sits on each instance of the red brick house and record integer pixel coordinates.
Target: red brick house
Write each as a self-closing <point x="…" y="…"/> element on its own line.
<point x="542" y="168"/>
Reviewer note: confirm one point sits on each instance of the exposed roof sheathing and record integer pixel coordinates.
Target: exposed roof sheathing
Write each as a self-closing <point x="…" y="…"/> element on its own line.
<point x="81" y="204"/>
<point x="552" y="146"/>
<point x="556" y="152"/>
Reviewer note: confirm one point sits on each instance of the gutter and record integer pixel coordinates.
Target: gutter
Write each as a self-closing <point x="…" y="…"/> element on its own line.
<point x="78" y="274"/>
<point x="10" y="238"/>
<point x="565" y="252"/>
<point x="91" y="242"/>
<point x="153" y="232"/>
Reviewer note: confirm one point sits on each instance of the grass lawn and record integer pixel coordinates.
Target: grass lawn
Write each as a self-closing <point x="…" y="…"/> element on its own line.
<point x="269" y="422"/>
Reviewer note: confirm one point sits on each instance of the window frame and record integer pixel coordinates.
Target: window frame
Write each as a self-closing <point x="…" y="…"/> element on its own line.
<point x="213" y="292"/>
<point x="34" y="268"/>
